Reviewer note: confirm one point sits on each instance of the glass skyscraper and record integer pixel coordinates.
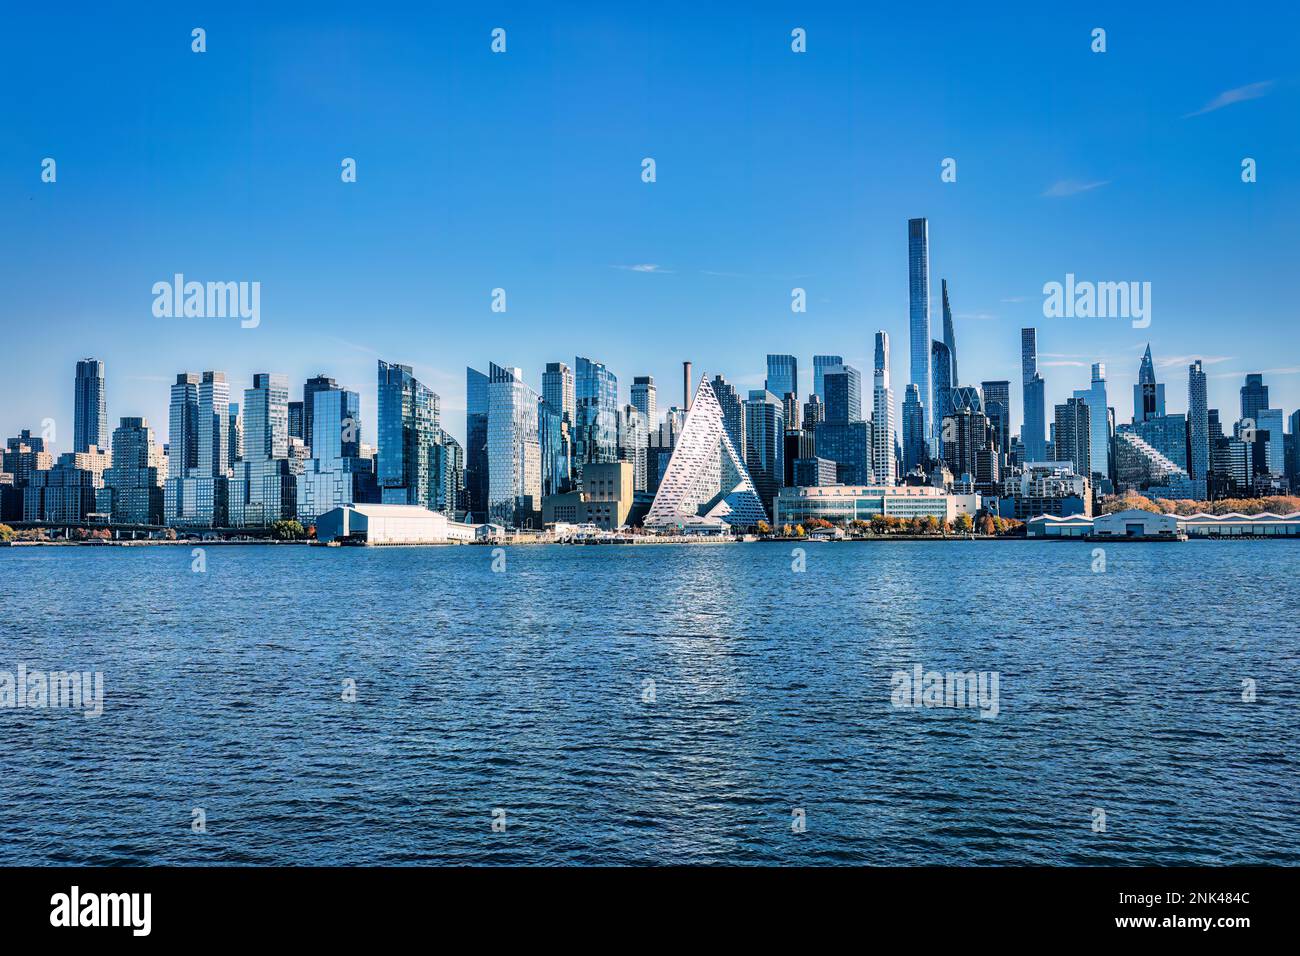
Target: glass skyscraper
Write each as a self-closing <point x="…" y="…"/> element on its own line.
<point x="409" y="427"/>
<point x="782" y="376"/>
<point x="883" y="463"/>
<point x="89" y="410"/>
<point x="336" y="475"/>
<point x="918" y="284"/>
<point x="765" y="444"/>
<point x="596" y="428"/>
<point x="513" y="449"/>
<point x="1254" y="396"/>
<point x="949" y="335"/>
<point x="1099" y="422"/>
<point x="820" y="364"/>
<point x="1198" y="423"/>
<point x="1033" y="431"/>
<point x="843" y="395"/>
<point x="914" y="451"/>
<point x="476" y="459"/>
<point x="997" y="406"/>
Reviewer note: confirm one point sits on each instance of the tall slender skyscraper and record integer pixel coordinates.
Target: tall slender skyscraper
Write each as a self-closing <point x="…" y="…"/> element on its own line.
<point x="918" y="282"/>
<point x="317" y="383"/>
<point x="596" y="428"/>
<point x="409" y="428"/>
<point x="476" y="459"/>
<point x="514" y="450"/>
<point x="843" y="396"/>
<point x="765" y="441"/>
<point x="949" y="334"/>
<point x="183" y="426"/>
<point x="1074" y="435"/>
<point x="558" y="390"/>
<point x="90" y="412"/>
<point x="782" y="375"/>
<point x="1198" y="423"/>
<point x="733" y="413"/>
<point x="914" y="418"/>
<point x="1033" y="432"/>
<point x="1099" y="421"/>
<point x="941" y="399"/>
<point x="997" y="406"/>
<point x="882" y="416"/>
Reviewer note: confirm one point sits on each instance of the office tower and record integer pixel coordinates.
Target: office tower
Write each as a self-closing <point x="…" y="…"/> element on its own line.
<point x="409" y="428"/>
<point x="1148" y="395"/>
<point x="476" y="460"/>
<point x="449" y="475"/>
<point x="558" y="390"/>
<point x="317" y="383"/>
<point x="1034" y="428"/>
<point x="1268" y="430"/>
<point x="645" y="399"/>
<point x="949" y="335"/>
<point x="1198" y="423"/>
<point x="1254" y="396"/>
<point x="782" y="376"/>
<point x="296" y="423"/>
<point x="596" y="429"/>
<point x="67" y="491"/>
<point x="997" y="406"/>
<point x="733" y="412"/>
<point x="1099" y="422"/>
<point x="820" y="364"/>
<point x="135" y="479"/>
<point x="814" y="413"/>
<point x="90" y="414"/>
<point x="843" y="395"/>
<point x="706" y="483"/>
<point x="634" y="443"/>
<point x="214" y="425"/>
<point x="883" y="463"/>
<point x="790" y="408"/>
<point x="765" y="443"/>
<point x="965" y="436"/>
<point x="183" y="428"/>
<point x="235" y="433"/>
<point x="918" y="280"/>
<point x="942" y="383"/>
<point x="914" y="451"/>
<point x="336" y="475"/>
<point x="1073" y="435"/>
<point x="264" y="488"/>
<point x="552" y="441"/>
<point x="514" y="449"/>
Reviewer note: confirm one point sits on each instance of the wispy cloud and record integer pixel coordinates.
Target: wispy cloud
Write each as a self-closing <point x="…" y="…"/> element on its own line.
<point x="977" y="316"/>
<point x="1072" y="187"/>
<point x="643" y="267"/>
<point x="1063" y="363"/>
<point x="1189" y="359"/>
<point x="1240" y="94"/>
<point x="1289" y="370"/>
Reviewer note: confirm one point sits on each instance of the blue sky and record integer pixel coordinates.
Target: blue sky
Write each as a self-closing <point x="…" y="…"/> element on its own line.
<point x="522" y="171"/>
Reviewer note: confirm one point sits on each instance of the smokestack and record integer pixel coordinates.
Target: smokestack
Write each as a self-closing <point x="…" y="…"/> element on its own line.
<point x="686" y="383"/>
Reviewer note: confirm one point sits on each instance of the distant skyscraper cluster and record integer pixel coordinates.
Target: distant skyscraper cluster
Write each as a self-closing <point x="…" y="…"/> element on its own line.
<point x="575" y="452"/>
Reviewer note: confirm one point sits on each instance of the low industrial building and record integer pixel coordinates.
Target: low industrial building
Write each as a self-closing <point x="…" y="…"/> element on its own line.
<point x="390" y="524"/>
<point x="1055" y="526"/>
<point x="1265" y="524"/>
<point x="1136" y="523"/>
<point x="842" y="503"/>
<point x="1148" y="524"/>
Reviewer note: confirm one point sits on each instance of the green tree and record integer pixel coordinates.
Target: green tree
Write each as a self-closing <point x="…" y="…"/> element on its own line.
<point x="964" y="524"/>
<point x="288" y="531"/>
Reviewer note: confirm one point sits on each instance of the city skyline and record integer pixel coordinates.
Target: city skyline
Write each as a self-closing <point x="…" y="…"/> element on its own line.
<point x="796" y="193"/>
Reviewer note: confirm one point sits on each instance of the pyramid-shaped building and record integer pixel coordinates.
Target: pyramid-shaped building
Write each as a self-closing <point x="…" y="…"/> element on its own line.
<point x="706" y="484"/>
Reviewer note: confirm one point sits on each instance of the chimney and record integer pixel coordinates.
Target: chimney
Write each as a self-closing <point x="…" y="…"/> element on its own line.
<point x="686" y="383"/>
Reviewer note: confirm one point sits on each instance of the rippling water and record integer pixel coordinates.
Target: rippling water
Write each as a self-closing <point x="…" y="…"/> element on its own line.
<point x="525" y="691"/>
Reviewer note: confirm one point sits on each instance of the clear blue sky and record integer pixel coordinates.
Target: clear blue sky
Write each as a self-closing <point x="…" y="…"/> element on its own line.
<point x="522" y="171"/>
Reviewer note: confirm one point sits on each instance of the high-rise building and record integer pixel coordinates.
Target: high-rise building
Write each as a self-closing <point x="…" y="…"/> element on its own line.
<point x="733" y="412"/>
<point x="705" y="482"/>
<point x="918" y="278"/>
<point x="476" y="458"/>
<point x="820" y="364"/>
<point x="135" y="480"/>
<point x="1148" y="395"/>
<point x="317" y="383"/>
<point x="296" y="422"/>
<point x="941" y="382"/>
<point x="782" y="375"/>
<point x="633" y="444"/>
<point x="1254" y="396"/>
<point x="409" y="428"/>
<point x="553" y="443"/>
<point x="883" y="429"/>
<point x="596" y="427"/>
<point x="265" y="485"/>
<point x="1099" y="422"/>
<point x="949" y="335"/>
<point x="765" y="444"/>
<point x="997" y="406"/>
<point x="1033" y="431"/>
<point x="1198" y="423"/>
<point x="645" y="399"/>
<point x="235" y="435"/>
<point x="814" y="413"/>
<point x="336" y="475"/>
<point x="914" y="451"/>
<point x="1073" y="435"/>
<point x="842" y="391"/>
<point x="514" y="449"/>
<point x="197" y="495"/>
<point x="90" y="413"/>
<point x="558" y="390"/>
<point x="183" y="429"/>
<point x="1268" y="430"/>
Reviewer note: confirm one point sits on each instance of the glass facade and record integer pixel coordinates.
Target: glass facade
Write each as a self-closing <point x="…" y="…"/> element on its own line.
<point x="476" y="460"/>
<point x="765" y="445"/>
<point x="820" y="364"/>
<point x="89" y="411"/>
<point x="514" y="450"/>
<point x="843" y="395"/>
<point x="782" y="375"/>
<point x="918" y="280"/>
<point x="596" y="428"/>
<point x="408" y="430"/>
